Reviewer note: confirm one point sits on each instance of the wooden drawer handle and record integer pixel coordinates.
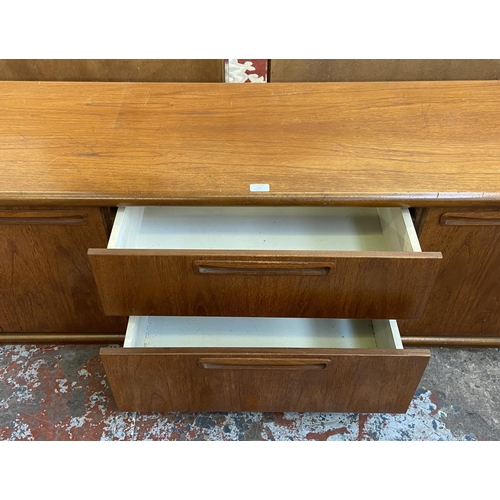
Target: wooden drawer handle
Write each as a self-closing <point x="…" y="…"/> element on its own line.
<point x="261" y="267"/>
<point x="263" y="363"/>
<point x="49" y="217"/>
<point x="470" y="219"/>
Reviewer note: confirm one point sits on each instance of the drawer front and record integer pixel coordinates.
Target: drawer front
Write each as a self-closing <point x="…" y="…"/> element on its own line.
<point x="375" y="285"/>
<point x="271" y="380"/>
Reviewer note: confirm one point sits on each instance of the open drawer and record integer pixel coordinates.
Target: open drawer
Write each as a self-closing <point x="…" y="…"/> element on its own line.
<point x="316" y="262"/>
<point x="263" y="364"/>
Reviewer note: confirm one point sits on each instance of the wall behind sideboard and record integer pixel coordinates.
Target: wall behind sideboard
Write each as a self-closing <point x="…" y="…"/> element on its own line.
<point x="369" y="70"/>
<point x="113" y="70"/>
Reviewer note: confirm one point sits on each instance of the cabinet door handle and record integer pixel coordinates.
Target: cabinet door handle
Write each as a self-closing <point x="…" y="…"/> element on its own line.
<point x="263" y="363"/>
<point x="470" y="219"/>
<point x="261" y="267"/>
<point x="47" y="217"/>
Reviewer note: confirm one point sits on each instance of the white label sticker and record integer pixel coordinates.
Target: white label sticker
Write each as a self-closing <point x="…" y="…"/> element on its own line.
<point x="259" y="188"/>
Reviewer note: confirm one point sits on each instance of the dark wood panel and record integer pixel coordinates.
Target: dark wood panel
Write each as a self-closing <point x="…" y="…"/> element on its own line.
<point x="372" y="285"/>
<point x="373" y="70"/>
<point x="466" y="342"/>
<point x="62" y="338"/>
<point x="364" y="381"/>
<point x="46" y="283"/>
<point x="465" y="299"/>
<point x="44" y="217"/>
<point x="470" y="219"/>
<point x="379" y="144"/>
<point x="113" y="70"/>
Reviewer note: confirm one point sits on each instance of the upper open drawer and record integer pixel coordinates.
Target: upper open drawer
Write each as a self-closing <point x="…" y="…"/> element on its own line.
<point x="264" y="261"/>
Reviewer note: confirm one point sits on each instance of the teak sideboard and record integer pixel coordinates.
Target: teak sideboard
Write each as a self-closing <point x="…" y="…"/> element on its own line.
<point x="254" y="247"/>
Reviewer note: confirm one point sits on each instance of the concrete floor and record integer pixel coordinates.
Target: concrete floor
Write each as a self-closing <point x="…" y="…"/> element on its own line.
<point x="61" y="393"/>
<point x="465" y="387"/>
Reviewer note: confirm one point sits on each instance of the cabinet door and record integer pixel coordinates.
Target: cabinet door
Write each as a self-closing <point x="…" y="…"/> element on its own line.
<point x="465" y="299"/>
<point x="46" y="284"/>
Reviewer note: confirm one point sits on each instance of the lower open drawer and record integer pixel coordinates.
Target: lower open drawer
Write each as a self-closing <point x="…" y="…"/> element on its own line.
<point x="263" y="364"/>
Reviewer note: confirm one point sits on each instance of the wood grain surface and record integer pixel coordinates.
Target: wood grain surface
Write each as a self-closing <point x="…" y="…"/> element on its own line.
<point x="384" y="143"/>
<point x="490" y="218"/>
<point x="62" y="338"/>
<point x="44" y="217"/>
<point x="466" y="342"/>
<point x="347" y="380"/>
<point x="372" y="285"/>
<point x="465" y="299"/>
<point x="46" y="283"/>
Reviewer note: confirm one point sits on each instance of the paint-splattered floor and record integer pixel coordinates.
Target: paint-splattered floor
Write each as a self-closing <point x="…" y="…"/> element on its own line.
<point x="61" y="393"/>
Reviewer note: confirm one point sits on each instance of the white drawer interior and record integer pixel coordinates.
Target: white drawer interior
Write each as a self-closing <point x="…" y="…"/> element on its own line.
<point x="196" y="331"/>
<point x="265" y="228"/>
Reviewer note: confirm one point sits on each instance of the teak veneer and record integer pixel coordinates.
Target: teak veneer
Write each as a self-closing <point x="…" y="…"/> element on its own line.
<point x="225" y="313"/>
<point x="383" y="144"/>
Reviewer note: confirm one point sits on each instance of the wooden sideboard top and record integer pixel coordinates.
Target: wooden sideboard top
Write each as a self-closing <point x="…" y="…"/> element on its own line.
<point x="391" y="143"/>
